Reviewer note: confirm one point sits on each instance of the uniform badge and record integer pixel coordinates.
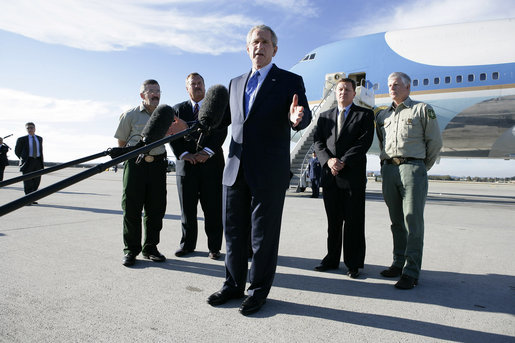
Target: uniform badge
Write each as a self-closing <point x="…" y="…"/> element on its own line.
<point x="431" y="114"/>
<point x="409" y="121"/>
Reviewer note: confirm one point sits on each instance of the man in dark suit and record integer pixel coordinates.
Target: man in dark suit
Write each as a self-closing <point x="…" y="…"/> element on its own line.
<point x="314" y="174"/>
<point x="4" y="161"/>
<point x="199" y="170"/>
<point x="264" y="104"/>
<point x="29" y="150"/>
<point x="342" y="138"/>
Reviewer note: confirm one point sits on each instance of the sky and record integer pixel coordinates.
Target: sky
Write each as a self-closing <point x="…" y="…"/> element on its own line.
<point x="73" y="66"/>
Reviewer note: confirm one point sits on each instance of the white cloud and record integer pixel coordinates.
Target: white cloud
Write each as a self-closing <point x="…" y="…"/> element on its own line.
<point x="116" y="24"/>
<point x="304" y="8"/>
<point x="432" y="12"/>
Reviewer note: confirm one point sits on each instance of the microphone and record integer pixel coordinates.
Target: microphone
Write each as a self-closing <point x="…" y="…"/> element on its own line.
<point x="155" y="129"/>
<point x="213" y="107"/>
<point x="158" y="124"/>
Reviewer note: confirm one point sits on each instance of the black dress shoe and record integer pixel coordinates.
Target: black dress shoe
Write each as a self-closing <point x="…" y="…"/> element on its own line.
<point x="129" y="259"/>
<point x="223" y="296"/>
<point x="251" y="305"/>
<point x="392" y="272"/>
<point x="156" y="257"/>
<point x="182" y="252"/>
<point x="214" y="255"/>
<point x="323" y="267"/>
<point x="353" y="273"/>
<point x="406" y="282"/>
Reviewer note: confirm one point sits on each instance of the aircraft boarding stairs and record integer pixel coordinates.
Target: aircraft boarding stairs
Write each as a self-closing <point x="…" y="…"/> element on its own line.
<point x="301" y="153"/>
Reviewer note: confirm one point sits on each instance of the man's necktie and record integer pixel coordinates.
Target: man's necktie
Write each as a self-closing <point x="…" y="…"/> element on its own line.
<point x="34" y="147"/>
<point x="341" y="121"/>
<point x="195" y="111"/>
<point x="250" y="92"/>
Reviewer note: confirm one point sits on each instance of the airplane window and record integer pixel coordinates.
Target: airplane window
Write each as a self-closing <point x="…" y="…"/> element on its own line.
<point x="459" y="78"/>
<point x="436" y="81"/>
<point x="495" y="75"/>
<point x="470" y="77"/>
<point x="305" y="57"/>
<point x="425" y="82"/>
<point x="447" y="79"/>
<point x="482" y="76"/>
<point x="415" y="83"/>
<point x="312" y="56"/>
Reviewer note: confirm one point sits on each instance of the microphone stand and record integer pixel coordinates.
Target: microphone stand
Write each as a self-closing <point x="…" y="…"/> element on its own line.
<point x="31" y="197"/>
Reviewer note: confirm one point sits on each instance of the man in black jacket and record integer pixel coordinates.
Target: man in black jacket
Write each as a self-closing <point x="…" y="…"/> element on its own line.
<point x="29" y="150"/>
<point x="342" y="138"/>
<point x="199" y="171"/>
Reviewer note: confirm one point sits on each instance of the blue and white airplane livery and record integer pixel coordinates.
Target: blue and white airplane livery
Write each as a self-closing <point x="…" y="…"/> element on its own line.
<point x="465" y="71"/>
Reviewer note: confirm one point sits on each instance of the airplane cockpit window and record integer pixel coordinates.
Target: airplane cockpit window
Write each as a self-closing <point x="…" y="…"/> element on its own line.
<point x="415" y="83"/>
<point x="312" y="56"/>
<point x="436" y="80"/>
<point x="495" y="75"/>
<point x="459" y="78"/>
<point x="470" y="77"/>
<point x="425" y="82"/>
<point x="447" y="79"/>
<point x="305" y="58"/>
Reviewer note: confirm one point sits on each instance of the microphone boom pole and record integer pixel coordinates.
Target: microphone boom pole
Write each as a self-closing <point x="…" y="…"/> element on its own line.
<point x="37" y="173"/>
<point x="30" y="198"/>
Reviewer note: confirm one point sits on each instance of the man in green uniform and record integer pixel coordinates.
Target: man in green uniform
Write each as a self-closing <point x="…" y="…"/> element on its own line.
<point x="410" y="140"/>
<point x="144" y="182"/>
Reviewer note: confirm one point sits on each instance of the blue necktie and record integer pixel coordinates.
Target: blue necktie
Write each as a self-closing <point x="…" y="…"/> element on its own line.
<point x="250" y="92"/>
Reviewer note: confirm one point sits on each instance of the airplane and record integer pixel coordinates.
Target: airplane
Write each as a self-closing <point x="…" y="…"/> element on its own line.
<point x="465" y="71"/>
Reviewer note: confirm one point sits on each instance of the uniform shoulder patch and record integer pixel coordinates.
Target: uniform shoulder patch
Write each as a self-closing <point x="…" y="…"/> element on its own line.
<point x="431" y="113"/>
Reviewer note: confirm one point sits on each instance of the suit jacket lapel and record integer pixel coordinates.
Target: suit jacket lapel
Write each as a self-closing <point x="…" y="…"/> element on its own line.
<point x="239" y="87"/>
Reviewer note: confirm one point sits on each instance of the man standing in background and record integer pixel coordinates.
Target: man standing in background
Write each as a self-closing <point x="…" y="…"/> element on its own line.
<point x="29" y="150"/>
<point x="410" y="141"/>
<point x="199" y="170"/>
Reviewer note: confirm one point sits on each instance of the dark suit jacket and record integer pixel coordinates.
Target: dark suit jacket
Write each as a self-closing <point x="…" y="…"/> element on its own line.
<point x="351" y="147"/>
<point x="22" y="150"/>
<point x="260" y="143"/>
<point x="213" y="141"/>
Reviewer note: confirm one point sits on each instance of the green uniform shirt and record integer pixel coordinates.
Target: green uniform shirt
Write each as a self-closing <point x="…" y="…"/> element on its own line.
<point x="131" y="125"/>
<point x="409" y="130"/>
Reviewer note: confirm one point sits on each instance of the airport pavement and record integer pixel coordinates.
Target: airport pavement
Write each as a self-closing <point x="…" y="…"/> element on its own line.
<point x="61" y="277"/>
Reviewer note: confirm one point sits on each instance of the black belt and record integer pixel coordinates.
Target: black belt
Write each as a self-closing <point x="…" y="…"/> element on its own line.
<point x="397" y="161"/>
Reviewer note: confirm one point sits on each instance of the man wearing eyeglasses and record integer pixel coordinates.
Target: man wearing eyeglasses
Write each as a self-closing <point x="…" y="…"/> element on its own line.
<point x="29" y="150"/>
<point x="144" y="183"/>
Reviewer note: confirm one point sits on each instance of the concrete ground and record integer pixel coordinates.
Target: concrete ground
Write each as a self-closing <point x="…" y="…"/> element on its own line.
<point x="61" y="277"/>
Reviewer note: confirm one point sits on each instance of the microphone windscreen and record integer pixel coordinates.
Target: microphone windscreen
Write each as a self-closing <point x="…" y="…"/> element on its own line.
<point x="213" y="107"/>
<point x="158" y="124"/>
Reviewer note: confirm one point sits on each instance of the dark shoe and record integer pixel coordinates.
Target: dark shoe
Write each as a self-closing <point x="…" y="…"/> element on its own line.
<point x="182" y="252"/>
<point x="392" y="272"/>
<point x="251" y="305"/>
<point x="214" y="255"/>
<point x="223" y="296"/>
<point x="323" y="267"/>
<point x="156" y="257"/>
<point x="406" y="282"/>
<point x="34" y="203"/>
<point x="353" y="273"/>
<point x="129" y="259"/>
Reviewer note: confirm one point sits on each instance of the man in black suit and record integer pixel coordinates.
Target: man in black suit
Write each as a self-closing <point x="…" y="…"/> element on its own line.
<point x="342" y="138"/>
<point x="199" y="171"/>
<point x="4" y="161"/>
<point x="29" y="150"/>
<point x="264" y="104"/>
<point x="314" y="174"/>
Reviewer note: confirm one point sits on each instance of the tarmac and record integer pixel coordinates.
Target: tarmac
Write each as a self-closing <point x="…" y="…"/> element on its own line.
<point x="61" y="277"/>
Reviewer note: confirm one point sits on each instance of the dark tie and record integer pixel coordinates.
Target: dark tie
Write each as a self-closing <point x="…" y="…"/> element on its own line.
<point x="341" y="121"/>
<point x="250" y="92"/>
<point x="34" y="147"/>
<point x="195" y="111"/>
